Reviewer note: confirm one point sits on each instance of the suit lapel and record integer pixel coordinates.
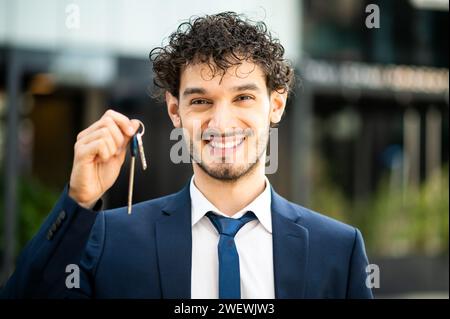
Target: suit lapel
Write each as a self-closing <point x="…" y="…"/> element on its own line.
<point x="290" y="249"/>
<point x="174" y="246"/>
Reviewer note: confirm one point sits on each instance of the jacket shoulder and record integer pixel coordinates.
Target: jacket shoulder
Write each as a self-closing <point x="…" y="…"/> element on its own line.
<point x="318" y="224"/>
<point x="325" y="224"/>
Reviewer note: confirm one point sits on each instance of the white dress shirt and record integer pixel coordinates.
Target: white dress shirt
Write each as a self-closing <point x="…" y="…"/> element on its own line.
<point x="253" y="243"/>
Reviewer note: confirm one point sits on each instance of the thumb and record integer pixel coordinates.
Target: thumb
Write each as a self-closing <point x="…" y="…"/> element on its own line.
<point x="136" y="125"/>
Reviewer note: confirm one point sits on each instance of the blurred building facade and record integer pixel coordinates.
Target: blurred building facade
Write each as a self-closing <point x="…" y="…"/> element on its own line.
<point x="379" y="132"/>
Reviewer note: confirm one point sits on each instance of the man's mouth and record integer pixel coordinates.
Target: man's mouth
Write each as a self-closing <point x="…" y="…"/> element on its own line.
<point x="225" y="143"/>
<point x="221" y="146"/>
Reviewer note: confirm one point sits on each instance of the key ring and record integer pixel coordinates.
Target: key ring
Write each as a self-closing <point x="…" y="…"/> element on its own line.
<point x="142" y="126"/>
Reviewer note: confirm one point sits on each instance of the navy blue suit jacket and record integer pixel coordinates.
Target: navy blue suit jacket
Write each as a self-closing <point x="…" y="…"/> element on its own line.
<point x="148" y="254"/>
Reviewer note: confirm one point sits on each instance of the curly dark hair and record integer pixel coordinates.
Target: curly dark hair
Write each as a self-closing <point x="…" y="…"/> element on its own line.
<point x="221" y="41"/>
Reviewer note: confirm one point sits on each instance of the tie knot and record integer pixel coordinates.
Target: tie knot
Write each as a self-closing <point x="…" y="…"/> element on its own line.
<point x="229" y="226"/>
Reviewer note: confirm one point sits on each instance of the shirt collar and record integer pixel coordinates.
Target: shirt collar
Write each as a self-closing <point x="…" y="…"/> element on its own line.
<point x="260" y="206"/>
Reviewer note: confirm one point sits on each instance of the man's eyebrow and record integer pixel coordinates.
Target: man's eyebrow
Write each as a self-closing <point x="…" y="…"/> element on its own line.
<point x="194" y="90"/>
<point x="199" y="90"/>
<point x="246" y="87"/>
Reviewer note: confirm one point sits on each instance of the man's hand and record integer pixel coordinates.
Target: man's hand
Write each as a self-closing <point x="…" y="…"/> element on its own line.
<point x="99" y="154"/>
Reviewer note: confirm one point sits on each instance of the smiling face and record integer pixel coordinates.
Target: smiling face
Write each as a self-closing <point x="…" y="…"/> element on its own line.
<point x="226" y="117"/>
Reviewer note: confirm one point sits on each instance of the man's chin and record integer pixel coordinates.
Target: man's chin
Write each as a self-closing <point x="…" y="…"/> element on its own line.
<point x="227" y="172"/>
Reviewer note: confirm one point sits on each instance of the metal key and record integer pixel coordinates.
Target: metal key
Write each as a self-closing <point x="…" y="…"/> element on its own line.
<point x="141" y="148"/>
<point x="135" y="145"/>
<point x="133" y="150"/>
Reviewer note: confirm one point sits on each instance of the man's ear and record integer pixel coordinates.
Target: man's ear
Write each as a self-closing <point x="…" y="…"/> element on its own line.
<point x="277" y="105"/>
<point x="173" y="109"/>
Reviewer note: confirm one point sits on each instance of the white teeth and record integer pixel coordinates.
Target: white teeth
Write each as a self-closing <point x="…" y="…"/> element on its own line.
<point x="231" y="144"/>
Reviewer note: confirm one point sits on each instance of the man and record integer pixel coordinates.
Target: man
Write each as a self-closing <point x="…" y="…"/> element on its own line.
<point x="226" y="234"/>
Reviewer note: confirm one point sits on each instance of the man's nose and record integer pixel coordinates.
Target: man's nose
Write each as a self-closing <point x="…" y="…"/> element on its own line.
<point x="222" y="118"/>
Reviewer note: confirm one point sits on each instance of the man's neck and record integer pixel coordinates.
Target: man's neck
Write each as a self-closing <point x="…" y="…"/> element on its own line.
<point x="230" y="197"/>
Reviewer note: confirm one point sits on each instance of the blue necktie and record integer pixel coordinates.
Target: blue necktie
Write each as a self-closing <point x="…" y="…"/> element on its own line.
<point x="229" y="274"/>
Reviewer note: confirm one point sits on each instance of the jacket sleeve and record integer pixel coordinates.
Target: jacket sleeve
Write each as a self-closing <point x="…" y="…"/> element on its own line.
<point x="357" y="287"/>
<point x="43" y="266"/>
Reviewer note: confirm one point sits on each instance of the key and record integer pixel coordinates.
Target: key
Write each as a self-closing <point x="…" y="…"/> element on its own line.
<point x="133" y="150"/>
<point x="135" y="145"/>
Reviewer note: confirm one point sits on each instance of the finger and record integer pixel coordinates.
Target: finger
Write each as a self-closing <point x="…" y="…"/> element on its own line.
<point x="93" y="127"/>
<point x="101" y="133"/>
<point x="116" y="133"/>
<point x="123" y="122"/>
<point x="111" y="130"/>
<point x="93" y="149"/>
<point x="110" y="142"/>
<point x="136" y="125"/>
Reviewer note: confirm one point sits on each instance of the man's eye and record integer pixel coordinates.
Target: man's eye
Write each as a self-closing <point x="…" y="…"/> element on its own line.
<point x="244" y="98"/>
<point x="200" y="101"/>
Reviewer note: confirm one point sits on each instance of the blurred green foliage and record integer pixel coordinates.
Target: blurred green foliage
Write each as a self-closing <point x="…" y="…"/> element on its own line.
<point x="35" y="201"/>
<point x="394" y="221"/>
<point x="412" y="220"/>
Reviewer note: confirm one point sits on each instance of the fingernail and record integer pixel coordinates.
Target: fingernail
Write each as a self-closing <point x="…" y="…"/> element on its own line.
<point x="130" y="130"/>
